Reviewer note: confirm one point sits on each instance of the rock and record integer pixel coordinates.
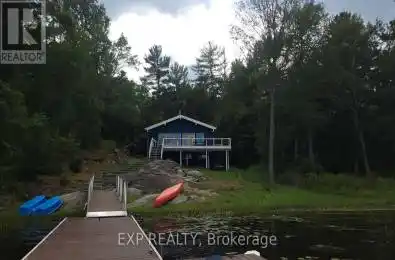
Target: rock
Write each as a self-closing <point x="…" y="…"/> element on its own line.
<point x="190" y="179"/>
<point x="195" y="173"/>
<point x="204" y="193"/>
<point x="69" y="197"/>
<point x="135" y="192"/>
<point x="143" y="200"/>
<point x="179" y="199"/>
<point x="155" y="176"/>
<point x="73" y="200"/>
<point x="196" y="198"/>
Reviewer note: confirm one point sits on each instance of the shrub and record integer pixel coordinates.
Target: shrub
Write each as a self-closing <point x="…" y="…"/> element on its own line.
<point x="63" y="180"/>
<point x="76" y="165"/>
<point x="338" y="183"/>
<point x="108" y="145"/>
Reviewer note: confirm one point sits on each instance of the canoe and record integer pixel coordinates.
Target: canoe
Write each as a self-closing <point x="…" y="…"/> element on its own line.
<point x="27" y="208"/>
<point x="48" y="207"/>
<point x="168" y="194"/>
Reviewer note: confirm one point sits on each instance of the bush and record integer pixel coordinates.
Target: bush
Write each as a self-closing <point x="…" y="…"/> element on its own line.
<point x="77" y="165"/>
<point x="63" y="180"/>
<point x="108" y="145"/>
<point x="338" y="183"/>
<point x="304" y="166"/>
<point x="289" y="178"/>
<point x="256" y="173"/>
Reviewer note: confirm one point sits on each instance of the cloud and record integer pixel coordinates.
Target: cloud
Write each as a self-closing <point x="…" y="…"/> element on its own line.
<point x="181" y="36"/>
<point x="368" y="9"/>
<point x="118" y="7"/>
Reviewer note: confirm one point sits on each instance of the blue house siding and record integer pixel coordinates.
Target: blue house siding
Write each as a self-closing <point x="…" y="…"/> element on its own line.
<point x="187" y="128"/>
<point x="180" y="126"/>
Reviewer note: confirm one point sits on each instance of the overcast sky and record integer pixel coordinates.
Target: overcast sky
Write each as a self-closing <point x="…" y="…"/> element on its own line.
<point x="182" y="27"/>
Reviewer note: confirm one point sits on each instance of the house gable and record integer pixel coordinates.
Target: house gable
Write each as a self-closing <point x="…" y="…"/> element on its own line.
<point x="182" y="119"/>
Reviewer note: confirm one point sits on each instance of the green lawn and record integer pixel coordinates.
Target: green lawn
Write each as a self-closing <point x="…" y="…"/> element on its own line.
<point x="245" y="192"/>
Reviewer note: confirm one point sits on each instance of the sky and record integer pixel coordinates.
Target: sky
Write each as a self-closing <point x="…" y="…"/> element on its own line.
<point x="182" y="27"/>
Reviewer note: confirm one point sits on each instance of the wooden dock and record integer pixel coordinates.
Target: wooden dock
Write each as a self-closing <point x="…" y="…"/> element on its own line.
<point x="104" y="234"/>
<point x="94" y="238"/>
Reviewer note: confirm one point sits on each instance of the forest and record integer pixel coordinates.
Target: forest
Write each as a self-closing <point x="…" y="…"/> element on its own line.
<point x="312" y="92"/>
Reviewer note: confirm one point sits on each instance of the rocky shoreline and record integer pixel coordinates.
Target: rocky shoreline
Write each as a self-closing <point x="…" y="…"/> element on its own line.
<point x="149" y="181"/>
<point x="158" y="175"/>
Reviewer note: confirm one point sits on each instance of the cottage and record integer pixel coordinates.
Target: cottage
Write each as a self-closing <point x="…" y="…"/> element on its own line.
<point x="188" y="141"/>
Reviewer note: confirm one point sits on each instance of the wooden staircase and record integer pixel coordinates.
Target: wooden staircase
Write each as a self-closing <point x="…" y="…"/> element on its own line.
<point x="106" y="179"/>
<point x="156" y="153"/>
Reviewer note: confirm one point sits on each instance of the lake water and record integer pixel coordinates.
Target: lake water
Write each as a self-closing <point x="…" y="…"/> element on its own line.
<point x="308" y="236"/>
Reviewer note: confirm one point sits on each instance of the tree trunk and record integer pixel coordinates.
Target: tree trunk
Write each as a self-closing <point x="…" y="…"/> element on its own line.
<point x="311" y="150"/>
<point x="358" y="129"/>
<point x="364" y="155"/>
<point x="271" y="137"/>
<point x="158" y="83"/>
<point x="362" y="143"/>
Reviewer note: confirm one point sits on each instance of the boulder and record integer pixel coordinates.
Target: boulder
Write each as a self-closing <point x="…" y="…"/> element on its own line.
<point x="195" y="173"/>
<point x="134" y="192"/>
<point x="181" y="172"/>
<point x="179" y="199"/>
<point x="73" y="200"/>
<point x="157" y="175"/>
<point x="147" y="199"/>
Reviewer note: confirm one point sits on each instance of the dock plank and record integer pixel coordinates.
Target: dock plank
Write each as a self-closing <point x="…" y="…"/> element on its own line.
<point x="93" y="239"/>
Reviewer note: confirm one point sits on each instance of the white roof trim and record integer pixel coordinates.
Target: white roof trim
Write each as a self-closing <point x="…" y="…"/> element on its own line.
<point x="180" y="117"/>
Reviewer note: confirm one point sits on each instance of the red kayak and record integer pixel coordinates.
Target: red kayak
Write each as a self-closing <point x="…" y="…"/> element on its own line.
<point x="168" y="194"/>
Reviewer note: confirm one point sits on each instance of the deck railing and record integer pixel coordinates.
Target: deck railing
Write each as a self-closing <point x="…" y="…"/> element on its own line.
<point x="151" y="145"/>
<point x="122" y="191"/>
<point x="90" y="189"/>
<point x="196" y="142"/>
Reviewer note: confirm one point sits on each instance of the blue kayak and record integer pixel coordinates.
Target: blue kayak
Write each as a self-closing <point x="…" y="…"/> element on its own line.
<point x="27" y="208"/>
<point x="48" y="207"/>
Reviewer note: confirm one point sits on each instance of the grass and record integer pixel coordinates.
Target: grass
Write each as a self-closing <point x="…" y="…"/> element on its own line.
<point x="246" y="192"/>
<point x="11" y="218"/>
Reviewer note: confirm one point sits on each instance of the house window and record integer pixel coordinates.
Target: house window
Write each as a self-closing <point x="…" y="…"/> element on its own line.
<point x="199" y="138"/>
<point x="187" y="139"/>
<point x="174" y="138"/>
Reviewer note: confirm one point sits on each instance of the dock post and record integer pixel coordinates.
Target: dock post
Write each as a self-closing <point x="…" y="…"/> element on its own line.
<point x="180" y="158"/>
<point x="208" y="160"/>
<point x="117" y="190"/>
<point x="120" y="190"/>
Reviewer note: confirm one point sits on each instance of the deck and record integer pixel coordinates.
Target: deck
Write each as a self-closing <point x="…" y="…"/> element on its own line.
<point x="94" y="238"/>
<point x="196" y="144"/>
